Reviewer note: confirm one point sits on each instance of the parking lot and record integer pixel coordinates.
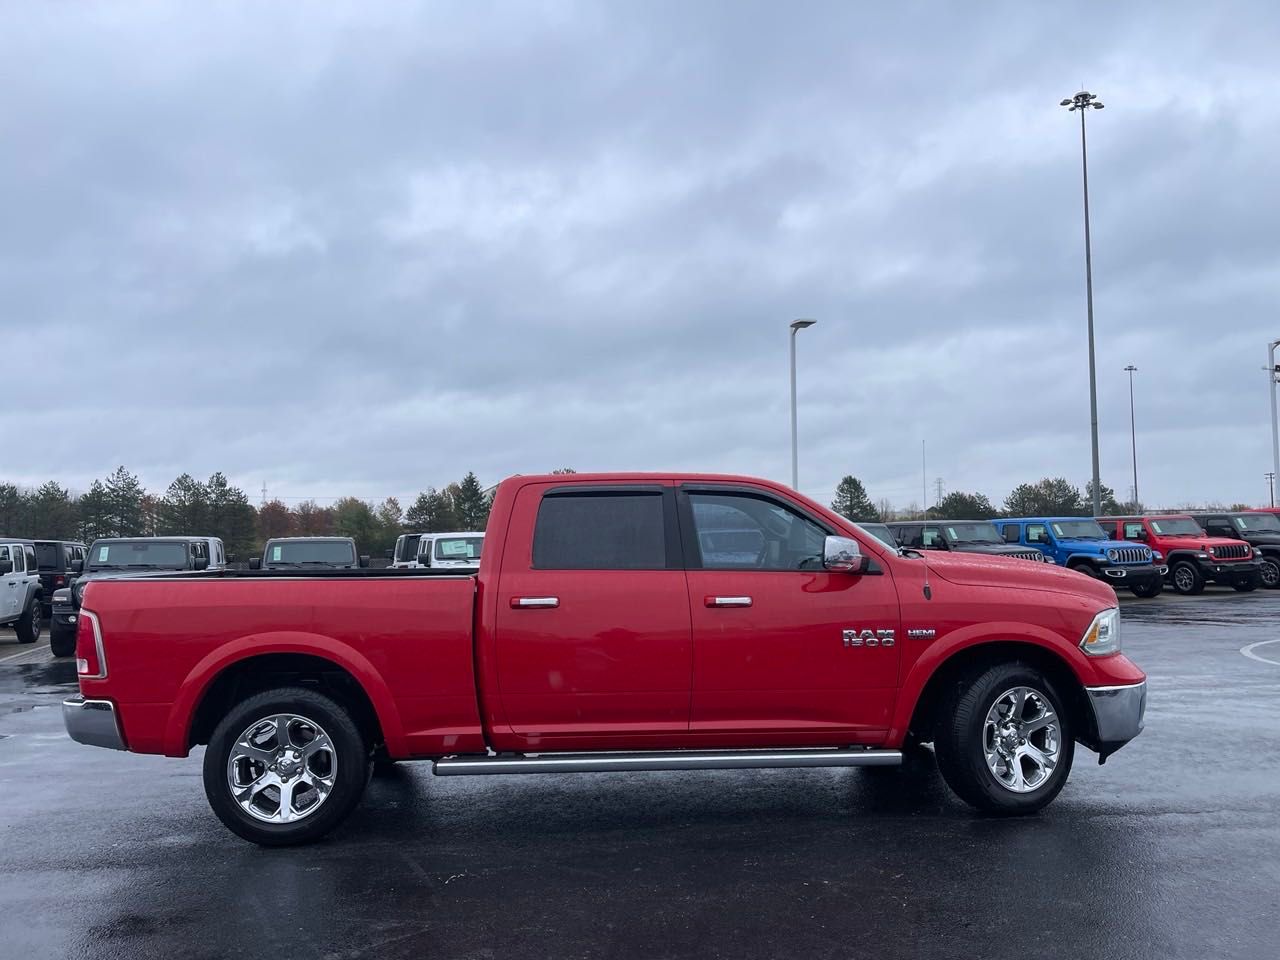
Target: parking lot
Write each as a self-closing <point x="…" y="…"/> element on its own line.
<point x="1172" y="849"/>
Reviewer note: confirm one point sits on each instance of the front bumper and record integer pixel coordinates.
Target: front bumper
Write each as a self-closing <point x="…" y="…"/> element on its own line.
<point x="1134" y="572"/>
<point x="1231" y="572"/>
<point x="1118" y="714"/>
<point x="64" y="618"/>
<point x="93" y="722"/>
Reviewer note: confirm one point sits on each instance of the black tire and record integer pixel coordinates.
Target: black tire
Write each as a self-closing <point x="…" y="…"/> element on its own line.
<point x="1270" y="573"/>
<point x="1152" y="589"/>
<point x="1245" y="586"/>
<point x="28" y="625"/>
<point x="351" y="761"/>
<point x="1186" y="579"/>
<point x="62" y="643"/>
<point x="959" y="741"/>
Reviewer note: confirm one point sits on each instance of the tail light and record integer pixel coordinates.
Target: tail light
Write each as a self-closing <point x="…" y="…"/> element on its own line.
<point x="59" y="580"/>
<point x="91" y="662"/>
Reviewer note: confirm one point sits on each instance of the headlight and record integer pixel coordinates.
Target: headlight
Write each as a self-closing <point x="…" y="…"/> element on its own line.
<point x="1212" y="550"/>
<point x="1113" y="555"/>
<point x="1103" y="636"/>
<point x="1202" y="556"/>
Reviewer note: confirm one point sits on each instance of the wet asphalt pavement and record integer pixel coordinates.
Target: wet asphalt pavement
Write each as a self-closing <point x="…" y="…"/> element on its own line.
<point x="1170" y="850"/>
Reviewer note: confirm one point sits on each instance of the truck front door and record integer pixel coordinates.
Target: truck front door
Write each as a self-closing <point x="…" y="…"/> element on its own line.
<point x="592" y="634"/>
<point x="11" y="592"/>
<point x="784" y="652"/>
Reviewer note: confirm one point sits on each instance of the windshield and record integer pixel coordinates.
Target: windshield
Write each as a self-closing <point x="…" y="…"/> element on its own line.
<point x="1078" y="530"/>
<point x="459" y="548"/>
<point x="49" y="556"/>
<point x="972" y="533"/>
<point x="145" y="554"/>
<point x="1177" y="527"/>
<point x="337" y="553"/>
<point x="407" y="547"/>
<point x="1268" y="522"/>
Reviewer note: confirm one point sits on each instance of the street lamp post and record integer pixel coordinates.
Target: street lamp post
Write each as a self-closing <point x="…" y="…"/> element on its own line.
<point x="796" y="326"/>
<point x="1082" y="101"/>
<point x="1133" y="437"/>
<point x="1272" y="373"/>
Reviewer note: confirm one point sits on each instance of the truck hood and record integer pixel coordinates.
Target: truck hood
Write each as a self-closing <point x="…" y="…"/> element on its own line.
<point x="995" y="549"/>
<point x="977" y="570"/>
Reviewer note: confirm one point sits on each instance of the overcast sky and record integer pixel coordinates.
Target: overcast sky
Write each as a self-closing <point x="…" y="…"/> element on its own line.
<point x="365" y="248"/>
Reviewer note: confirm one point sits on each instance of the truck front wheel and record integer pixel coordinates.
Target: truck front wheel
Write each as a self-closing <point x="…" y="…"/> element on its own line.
<point x="1004" y="743"/>
<point x="28" y="627"/>
<point x="285" y="767"/>
<point x="1270" y="572"/>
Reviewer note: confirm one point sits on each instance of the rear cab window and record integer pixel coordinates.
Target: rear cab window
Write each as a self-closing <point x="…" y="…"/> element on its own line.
<point x="602" y="530"/>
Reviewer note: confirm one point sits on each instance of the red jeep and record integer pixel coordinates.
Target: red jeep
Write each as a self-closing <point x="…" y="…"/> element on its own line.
<point x="617" y="623"/>
<point x="1194" y="557"/>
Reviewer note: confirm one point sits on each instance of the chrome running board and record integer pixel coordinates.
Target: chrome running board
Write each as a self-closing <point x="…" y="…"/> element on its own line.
<point x="674" y="760"/>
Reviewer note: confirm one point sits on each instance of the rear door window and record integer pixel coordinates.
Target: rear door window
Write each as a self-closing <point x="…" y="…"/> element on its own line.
<point x="1012" y="533"/>
<point x="600" y="531"/>
<point x="1133" y="530"/>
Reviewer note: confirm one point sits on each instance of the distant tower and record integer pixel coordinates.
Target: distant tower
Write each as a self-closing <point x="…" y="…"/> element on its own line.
<point x="937" y="486"/>
<point x="264" y="493"/>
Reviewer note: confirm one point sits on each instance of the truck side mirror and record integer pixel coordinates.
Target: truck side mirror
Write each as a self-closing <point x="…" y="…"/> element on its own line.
<point x="364" y="561"/>
<point x="255" y="563"/>
<point x="6" y="567"/>
<point x="201" y="563"/>
<point x="843" y="555"/>
<point x="77" y="566"/>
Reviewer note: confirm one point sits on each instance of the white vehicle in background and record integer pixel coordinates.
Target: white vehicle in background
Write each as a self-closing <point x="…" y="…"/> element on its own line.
<point x="405" y="554"/>
<point x="445" y="550"/>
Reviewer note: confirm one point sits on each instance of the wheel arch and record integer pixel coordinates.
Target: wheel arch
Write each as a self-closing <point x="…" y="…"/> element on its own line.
<point x="255" y="664"/>
<point x="957" y="664"/>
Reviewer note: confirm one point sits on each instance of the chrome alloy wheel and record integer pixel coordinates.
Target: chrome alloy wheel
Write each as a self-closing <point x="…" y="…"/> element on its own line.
<point x="1270" y="573"/>
<point x="1021" y="739"/>
<point x="282" y="768"/>
<point x="1184" y="578"/>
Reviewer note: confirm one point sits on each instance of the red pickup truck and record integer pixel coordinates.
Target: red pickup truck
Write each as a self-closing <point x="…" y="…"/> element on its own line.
<point x="616" y="623"/>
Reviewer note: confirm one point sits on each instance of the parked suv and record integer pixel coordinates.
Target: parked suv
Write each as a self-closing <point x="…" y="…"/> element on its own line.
<point x="1081" y="544"/>
<point x="881" y="532"/>
<point x="21" y="593"/>
<point x="404" y="556"/>
<point x="58" y="561"/>
<point x="1259" y="530"/>
<point x="461" y="550"/>
<point x="124" y="557"/>
<point x="963" y="536"/>
<point x="335" y="553"/>
<point x="1194" y="557"/>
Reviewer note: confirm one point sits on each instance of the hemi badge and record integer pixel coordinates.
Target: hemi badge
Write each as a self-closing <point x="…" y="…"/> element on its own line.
<point x="922" y="633"/>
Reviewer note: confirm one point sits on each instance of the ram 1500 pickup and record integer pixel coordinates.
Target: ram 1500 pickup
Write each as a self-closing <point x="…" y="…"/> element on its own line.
<point x="616" y="623"/>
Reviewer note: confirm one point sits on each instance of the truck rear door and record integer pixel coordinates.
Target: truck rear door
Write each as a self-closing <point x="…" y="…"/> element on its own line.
<point x="592" y="633"/>
<point x="783" y="651"/>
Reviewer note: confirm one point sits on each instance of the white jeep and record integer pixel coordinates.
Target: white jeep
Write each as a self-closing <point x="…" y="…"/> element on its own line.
<point x="20" y="589"/>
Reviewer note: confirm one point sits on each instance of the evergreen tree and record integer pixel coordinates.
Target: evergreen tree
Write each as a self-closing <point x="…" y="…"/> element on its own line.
<point x="231" y="516"/>
<point x="184" y="511"/>
<point x="95" y="514"/>
<point x="432" y="512"/>
<point x="852" y="501"/>
<point x="51" y="513"/>
<point x="123" y="504"/>
<point x="13" y="511"/>
<point x="471" y="505"/>
<point x="962" y="506"/>
<point x="390" y="525"/>
<point x="1051" y="497"/>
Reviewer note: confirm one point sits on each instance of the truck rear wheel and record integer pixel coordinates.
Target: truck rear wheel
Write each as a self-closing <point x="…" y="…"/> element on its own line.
<point x="1004" y="743"/>
<point x="28" y="626"/>
<point x="285" y="767"/>
<point x="1186" y="578"/>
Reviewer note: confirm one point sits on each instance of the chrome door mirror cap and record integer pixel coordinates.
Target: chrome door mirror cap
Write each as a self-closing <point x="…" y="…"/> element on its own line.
<point x="843" y="555"/>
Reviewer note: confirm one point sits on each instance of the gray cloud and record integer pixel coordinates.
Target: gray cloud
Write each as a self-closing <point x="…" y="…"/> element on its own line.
<point x="353" y="251"/>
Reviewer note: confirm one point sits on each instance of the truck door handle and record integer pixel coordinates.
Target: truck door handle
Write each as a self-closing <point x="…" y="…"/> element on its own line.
<point x="727" y="601"/>
<point x="534" y="603"/>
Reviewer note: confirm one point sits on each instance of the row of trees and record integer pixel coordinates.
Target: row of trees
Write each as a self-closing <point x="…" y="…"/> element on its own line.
<point x="1050" y="497"/>
<point x="119" y="506"/>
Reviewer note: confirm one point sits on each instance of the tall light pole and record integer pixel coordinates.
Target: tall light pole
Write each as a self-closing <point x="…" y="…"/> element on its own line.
<point x="1133" y="437"/>
<point x="1082" y="101"/>
<point x="1273" y="373"/>
<point x="796" y="326"/>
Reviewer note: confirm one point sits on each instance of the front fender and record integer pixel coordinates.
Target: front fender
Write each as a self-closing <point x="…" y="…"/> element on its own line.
<point x="202" y="675"/>
<point x="967" y="638"/>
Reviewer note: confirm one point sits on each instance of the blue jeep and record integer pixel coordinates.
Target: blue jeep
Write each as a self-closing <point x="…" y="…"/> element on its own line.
<point x="1079" y="543"/>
